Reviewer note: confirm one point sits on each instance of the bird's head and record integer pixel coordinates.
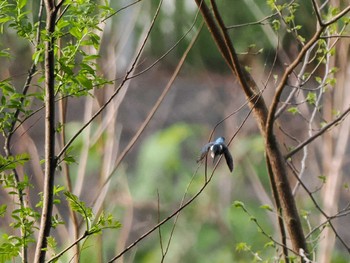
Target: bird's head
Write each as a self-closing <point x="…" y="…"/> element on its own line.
<point x="220" y="140"/>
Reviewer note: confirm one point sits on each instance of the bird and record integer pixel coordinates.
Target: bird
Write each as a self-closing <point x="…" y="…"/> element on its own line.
<point x="217" y="148"/>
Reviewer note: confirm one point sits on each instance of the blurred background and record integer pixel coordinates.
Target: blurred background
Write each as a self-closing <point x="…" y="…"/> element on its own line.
<point x="161" y="167"/>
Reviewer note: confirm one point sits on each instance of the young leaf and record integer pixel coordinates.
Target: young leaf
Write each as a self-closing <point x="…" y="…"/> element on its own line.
<point x="267" y="207"/>
<point x="79" y="206"/>
<point x="311" y="98"/>
<point x="3" y="209"/>
<point x="238" y="204"/>
<point x="293" y="110"/>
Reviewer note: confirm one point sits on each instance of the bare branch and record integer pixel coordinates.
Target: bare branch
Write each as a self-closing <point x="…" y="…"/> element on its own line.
<point x="151" y="113"/>
<point x="82" y="237"/>
<point x="319" y="133"/>
<point x="176" y="212"/>
<point x="259" y="22"/>
<point x="337" y="17"/>
<point x="317" y="11"/>
<point x="121" y="9"/>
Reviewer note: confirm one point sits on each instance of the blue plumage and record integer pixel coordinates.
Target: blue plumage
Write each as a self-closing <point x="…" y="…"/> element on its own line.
<point x="217" y="148"/>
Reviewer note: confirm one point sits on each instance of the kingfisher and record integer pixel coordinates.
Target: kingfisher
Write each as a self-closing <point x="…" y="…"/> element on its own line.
<point x="217" y="148"/>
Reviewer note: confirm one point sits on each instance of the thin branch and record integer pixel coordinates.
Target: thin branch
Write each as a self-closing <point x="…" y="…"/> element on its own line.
<point x="319" y="208"/>
<point x="299" y="79"/>
<point x="319" y="133"/>
<point x="136" y="74"/>
<point x="82" y="237"/>
<point x="129" y="72"/>
<point x="337" y="17"/>
<point x="178" y="214"/>
<point x="121" y="9"/>
<point x="293" y="65"/>
<point x="151" y="113"/>
<point x="163" y="221"/>
<point x="186" y="203"/>
<point x="317" y="11"/>
<point x="182" y="206"/>
<point x="259" y="22"/>
<point x="159" y="229"/>
<point x="335" y="36"/>
<point x="261" y="229"/>
<point x="284" y="79"/>
<point x="328" y="221"/>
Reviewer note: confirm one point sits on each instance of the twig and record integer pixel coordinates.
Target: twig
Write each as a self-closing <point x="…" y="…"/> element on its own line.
<point x="177" y="216"/>
<point x="319" y="133"/>
<point x="128" y="73"/>
<point x="86" y="234"/>
<point x="319" y="208"/>
<point x="185" y="204"/>
<point x="317" y="11"/>
<point x="159" y="229"/>
<point x="121" y="9"/>
<point x="259" y="22"/>
<point x="151" y="113"/>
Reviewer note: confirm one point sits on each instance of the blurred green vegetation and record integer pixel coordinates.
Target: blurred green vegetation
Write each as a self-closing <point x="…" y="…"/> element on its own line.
<point x="251" y="41"/>
<point x="209" y="229"/>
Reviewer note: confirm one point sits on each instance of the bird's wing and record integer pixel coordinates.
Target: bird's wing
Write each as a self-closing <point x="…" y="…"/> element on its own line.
<point x="228" y="158"/>
<point x="204" y="151"/>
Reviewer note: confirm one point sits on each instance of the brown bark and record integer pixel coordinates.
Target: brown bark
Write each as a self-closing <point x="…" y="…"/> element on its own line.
<point x="50" y="159"/>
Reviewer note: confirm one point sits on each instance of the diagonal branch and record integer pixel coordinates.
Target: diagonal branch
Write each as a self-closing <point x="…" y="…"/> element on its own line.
<point x="183" y="204"/>
<point x="126" y="78"/>
<point x="319" y="133"/>
<point x="150" y="115"/>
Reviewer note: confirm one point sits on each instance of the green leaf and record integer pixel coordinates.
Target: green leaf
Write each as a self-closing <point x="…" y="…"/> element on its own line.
<point x="86" y="82"/>
<point x="276" y="24"/>
<point x="304" y="213"/>
<point x="3" y="209"/>
<point x="267" y="207"/>
<point x="69" y="159"/>
<point x="293" y="110"/>
<point x="79" y="206"/>
<point x="57" y="189"/>
<point x="311" y="98"/>
<point x="5" y="52"/>
<point x="242" y="247"/>
<point x="253" y="218"/>
<point x="323" y="178"/>
<point x="270" y="244"/>
<point x="318" y="80"/>
<point x="238" y="204"/>
<point x="13" y="161"/>
<point x="301" y="39"/>
<point x="51" y="242"/>
<point x="76" y="32"/>
<point x="104" y="222"/>
<point x="21" y="3"/>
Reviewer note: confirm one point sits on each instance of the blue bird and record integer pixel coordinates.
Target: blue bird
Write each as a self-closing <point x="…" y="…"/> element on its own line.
<point x="217" y="148"/>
